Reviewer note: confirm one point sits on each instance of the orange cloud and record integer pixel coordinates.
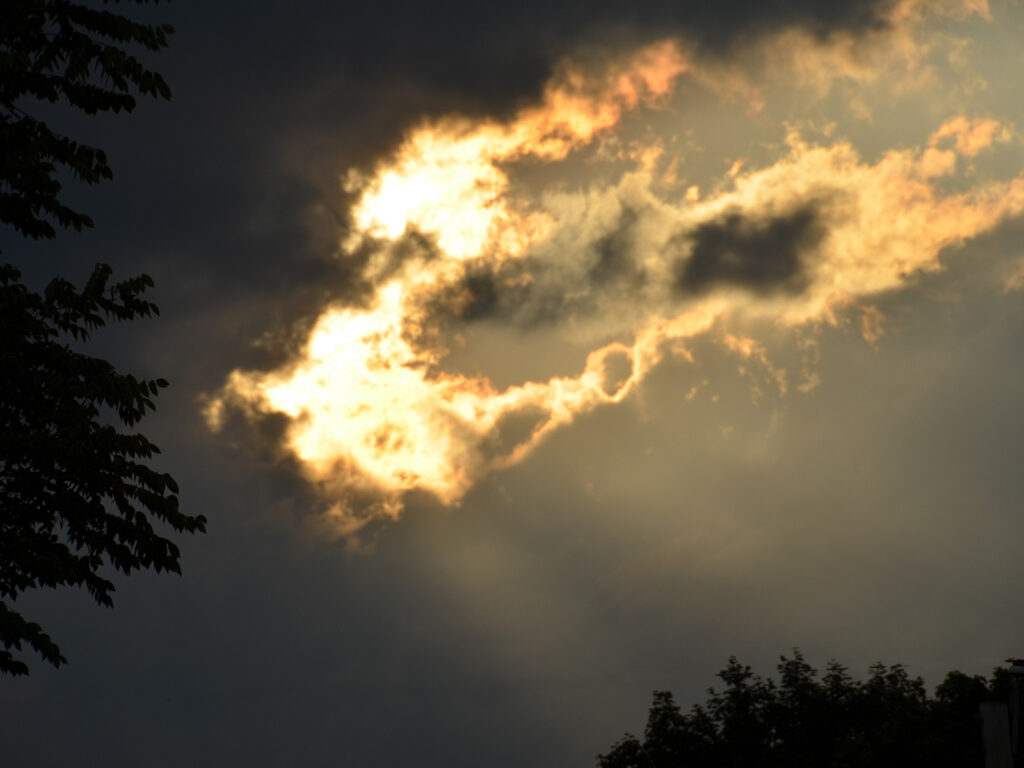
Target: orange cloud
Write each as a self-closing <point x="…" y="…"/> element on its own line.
<point x="895" y="53"/>
<point x="445" y="180"/>
<point x="872" y="324"/>
<point x="369" y="411"/>
<point x="371" y="415"/>
<point x="971" y="136"/>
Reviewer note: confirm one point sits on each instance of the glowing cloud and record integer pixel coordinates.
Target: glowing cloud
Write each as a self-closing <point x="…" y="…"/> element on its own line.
<point x="370" y="413"/>
<point x="971" y="136"/>
<point x="445" y="180"/>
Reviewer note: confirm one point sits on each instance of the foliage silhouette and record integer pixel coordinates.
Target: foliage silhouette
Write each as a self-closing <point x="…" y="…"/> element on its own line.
<point x="809" y="721"/>
<point x="57" y="51"/>
<point x="76" y="493"/>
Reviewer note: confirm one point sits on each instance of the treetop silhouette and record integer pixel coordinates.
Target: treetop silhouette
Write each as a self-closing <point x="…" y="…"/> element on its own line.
<point x="804" y="720"/>
<point x="77" y="493"/>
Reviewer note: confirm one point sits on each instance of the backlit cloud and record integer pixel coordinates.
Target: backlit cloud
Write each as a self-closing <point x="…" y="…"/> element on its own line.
<point x="372" y="413"/>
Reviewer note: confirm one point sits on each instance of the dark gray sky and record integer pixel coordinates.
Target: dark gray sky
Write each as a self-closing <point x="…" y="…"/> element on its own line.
<point x="867" y="510"/>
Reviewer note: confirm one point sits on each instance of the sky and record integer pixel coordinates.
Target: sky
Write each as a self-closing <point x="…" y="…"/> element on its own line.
<point x="528" y="357"/>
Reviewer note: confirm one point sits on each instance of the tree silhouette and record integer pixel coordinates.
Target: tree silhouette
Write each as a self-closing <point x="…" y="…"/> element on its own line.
<point x="807" y="721"/>
<point x="76" y="492"/>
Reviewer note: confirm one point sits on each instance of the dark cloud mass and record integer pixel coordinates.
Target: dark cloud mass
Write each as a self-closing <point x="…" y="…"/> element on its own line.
<point x="496" y="51"/>
<point x="614" y="261"/>
<point x="533" y="291"/>
<point x="516" y="291"/>
<point x="761" y="256"/>
<point x="376" y="67"/>
<point x="477" y="296"/>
